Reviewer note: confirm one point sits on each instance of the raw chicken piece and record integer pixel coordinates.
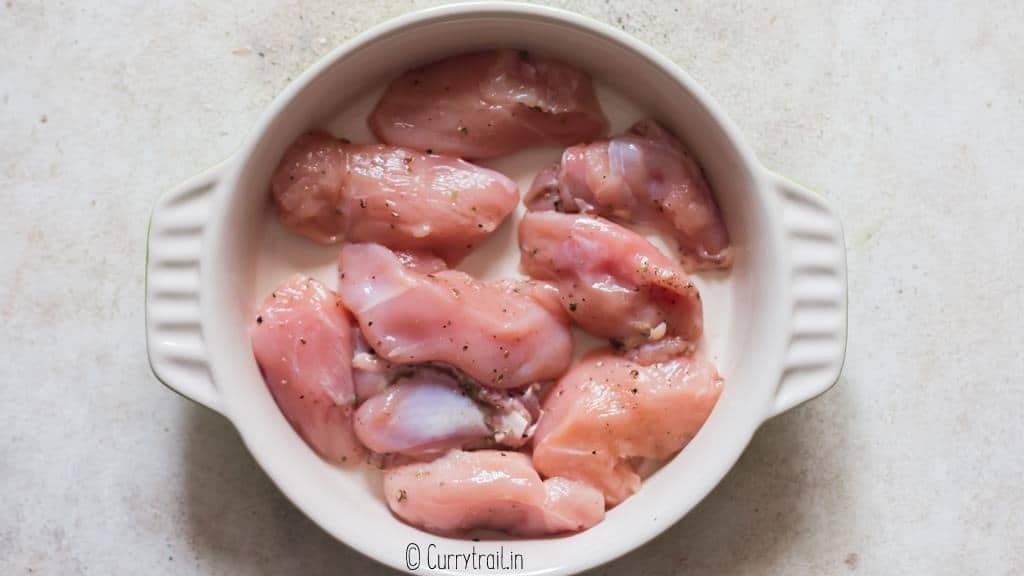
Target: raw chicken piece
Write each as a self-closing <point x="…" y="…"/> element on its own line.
<point x="331" y="190"/>
<point x="420" y="416"/>
<point x="613" y="282"/>
<point x="430" y="410"/>
<point x="487" y="104"/>
<point x="644" y="175"/>
<point x="370" y="372"/>
<point x="608" y="411"/>
<point x="496" y="335"/>
<point x="302" y="340"/>
<point x="463" y="491"/>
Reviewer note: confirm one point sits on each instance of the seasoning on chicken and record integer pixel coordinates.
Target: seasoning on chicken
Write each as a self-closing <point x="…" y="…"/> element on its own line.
<point x="645" y="175"/>
<point x="500" y="337"/>
<point x="431" y="409"/>
<point x="302" y="340"/>
<point x="613" y="282"/>
<point x="330" y="190"/>
<point x="371" y="373"/>
<point x="488" y="489"/>
<point x="607" y="412"/>
<point x="487" y="104"/>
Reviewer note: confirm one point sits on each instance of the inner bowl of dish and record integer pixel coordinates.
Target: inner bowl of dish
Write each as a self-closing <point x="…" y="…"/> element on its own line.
<point x="245" y="252"/>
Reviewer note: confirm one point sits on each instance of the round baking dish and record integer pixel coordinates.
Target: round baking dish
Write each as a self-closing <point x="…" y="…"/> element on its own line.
<point x="777" y="327"/>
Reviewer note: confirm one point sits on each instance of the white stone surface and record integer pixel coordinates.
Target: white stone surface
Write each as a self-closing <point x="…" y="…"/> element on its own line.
<point x="909" y="116"/>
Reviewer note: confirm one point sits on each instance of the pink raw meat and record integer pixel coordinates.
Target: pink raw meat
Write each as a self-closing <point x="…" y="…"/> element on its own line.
<point x="496" y="334"/>
<point x="613" y="282"/>
<point x="330" y="191"/>
<point x="645" y="175"/>
<point x="302" y="339"/>
<point x="488" y="489"/>
<point x="607" y="411"/>
<point x="486" y="104"/>
<point x="431" y="409"/>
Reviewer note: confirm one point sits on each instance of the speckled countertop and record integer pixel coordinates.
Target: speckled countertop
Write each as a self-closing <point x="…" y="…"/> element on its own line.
<point x="908" y="116"/>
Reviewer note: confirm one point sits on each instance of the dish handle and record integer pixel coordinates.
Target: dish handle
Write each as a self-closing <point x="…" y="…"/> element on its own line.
<point x="174" y="334"/>
<point x="818" y="298"/>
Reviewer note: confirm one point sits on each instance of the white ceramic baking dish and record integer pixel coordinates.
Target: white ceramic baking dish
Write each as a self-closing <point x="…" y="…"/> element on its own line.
<point x="776" y="321"/>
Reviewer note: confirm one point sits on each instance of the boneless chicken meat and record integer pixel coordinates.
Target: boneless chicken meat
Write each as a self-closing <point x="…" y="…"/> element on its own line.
<point x="644" y="175"/>
<point x="489" y="489"/>
<point x="330" y="190"/>
<point x="429" y="410"/>
<point x="371" y="372"/>
<point x="607" y="412"/>
<point x="494" y="333"/>
<point x="302" y="339"/>
<point x="613" y="282"/>
<point x="487" y="104"/>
